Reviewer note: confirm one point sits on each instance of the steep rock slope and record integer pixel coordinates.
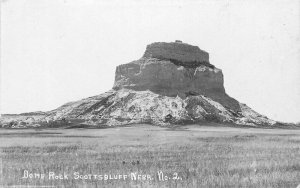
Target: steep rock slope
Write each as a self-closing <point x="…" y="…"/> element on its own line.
<point x="126" y="106"/>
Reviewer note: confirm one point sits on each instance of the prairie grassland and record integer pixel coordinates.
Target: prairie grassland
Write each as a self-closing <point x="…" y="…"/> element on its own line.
<point x="202" y="156"/>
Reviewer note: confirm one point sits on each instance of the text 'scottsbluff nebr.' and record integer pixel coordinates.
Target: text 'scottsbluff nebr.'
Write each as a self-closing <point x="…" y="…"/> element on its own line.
<point x="132" y="176"/>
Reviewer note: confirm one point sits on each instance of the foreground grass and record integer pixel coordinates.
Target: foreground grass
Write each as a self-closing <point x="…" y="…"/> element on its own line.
<point x="201" y="156"/>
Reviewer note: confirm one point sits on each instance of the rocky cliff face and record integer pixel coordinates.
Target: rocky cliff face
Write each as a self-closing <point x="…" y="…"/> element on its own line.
<point x="175" y="69"/>
<point x="182" y="53"/>
<point x="173" y="83"/>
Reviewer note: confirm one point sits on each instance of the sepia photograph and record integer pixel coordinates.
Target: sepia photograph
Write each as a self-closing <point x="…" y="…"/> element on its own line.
<point x="149" y="93"/>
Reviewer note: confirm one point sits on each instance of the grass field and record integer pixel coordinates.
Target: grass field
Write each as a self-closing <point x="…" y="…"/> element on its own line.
<point x="190" y="156"/>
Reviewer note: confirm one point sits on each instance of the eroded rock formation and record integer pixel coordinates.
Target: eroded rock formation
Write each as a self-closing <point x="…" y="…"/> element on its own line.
<point x="173" y="83"/>
<point x="175" y="69"/>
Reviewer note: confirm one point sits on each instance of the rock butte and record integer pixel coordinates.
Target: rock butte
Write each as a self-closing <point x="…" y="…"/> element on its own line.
<point x="175" y="69"/>
<point x="172" y="83"/>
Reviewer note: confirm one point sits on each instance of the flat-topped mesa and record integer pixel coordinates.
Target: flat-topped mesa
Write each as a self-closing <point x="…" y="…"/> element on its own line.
<point x="174" y="69"/>
<point x="179" y="53"/>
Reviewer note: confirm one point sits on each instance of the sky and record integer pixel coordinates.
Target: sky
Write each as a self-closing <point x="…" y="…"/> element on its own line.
<point x="56" y="51"/>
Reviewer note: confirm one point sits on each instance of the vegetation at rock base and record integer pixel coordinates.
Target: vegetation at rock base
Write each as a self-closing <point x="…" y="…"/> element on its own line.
<point x="202" y="156"/>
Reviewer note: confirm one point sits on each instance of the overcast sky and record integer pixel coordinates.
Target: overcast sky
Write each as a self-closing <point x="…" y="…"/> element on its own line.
<point x="56" y="51"/>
